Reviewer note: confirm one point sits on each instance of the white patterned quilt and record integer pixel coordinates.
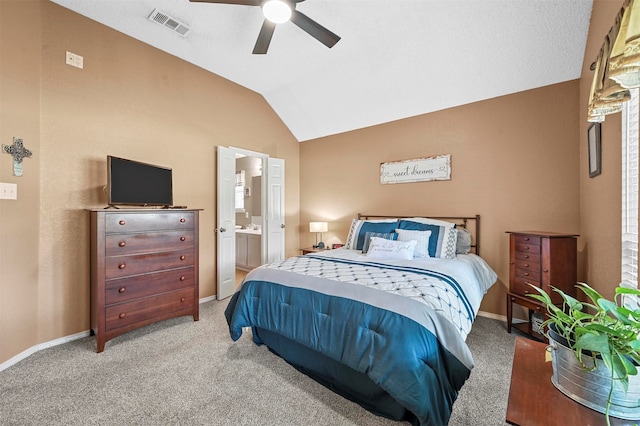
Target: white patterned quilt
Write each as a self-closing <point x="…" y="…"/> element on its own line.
<point x="451" y="287"/>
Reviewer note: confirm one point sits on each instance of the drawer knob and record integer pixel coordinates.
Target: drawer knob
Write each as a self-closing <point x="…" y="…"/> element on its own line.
<point x="183" y="257"/>
<point x="526" y="238"/>
<point x="122" y="222"/>
<point x="526" y="256"/>
<point x="182" y="299"/>
<point x="182" y="278"/>
<point x="122" y="244"/>
<point x="182" y="238"/>
<point x="122" y="266"/>
<point x="122" y="315"/>
<point x="526" y="265"/>
<point x="122" y="290"/>
<point x="526" y="247"/>
<point x="526" y="274"/>
<point x="183" y="220"/>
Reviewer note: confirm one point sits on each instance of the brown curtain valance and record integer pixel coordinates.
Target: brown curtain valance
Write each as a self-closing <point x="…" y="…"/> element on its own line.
<point x="617" y="68"/>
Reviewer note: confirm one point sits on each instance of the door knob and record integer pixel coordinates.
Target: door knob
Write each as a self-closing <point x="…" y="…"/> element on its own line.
<point x="223" y="229"/>
<point x="282" y="226"/>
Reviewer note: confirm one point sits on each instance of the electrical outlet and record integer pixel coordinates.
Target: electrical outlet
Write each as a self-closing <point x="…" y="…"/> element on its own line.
<point x="8" y="191"/>
<point x="74" y="60"/>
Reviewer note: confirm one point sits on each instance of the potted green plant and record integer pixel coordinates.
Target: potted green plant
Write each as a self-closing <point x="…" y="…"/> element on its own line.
<point x="595" y="350"/>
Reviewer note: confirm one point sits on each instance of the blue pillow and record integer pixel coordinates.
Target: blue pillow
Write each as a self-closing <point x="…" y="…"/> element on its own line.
<point x="356" y="237"/>
<point x="368" y="235"/>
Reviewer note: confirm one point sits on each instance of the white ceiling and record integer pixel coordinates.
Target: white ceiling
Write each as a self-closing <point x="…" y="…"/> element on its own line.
<point x="396" y="58"/>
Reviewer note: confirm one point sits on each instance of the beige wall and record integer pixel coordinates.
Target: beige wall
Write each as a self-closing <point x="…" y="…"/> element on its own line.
<point x="514" y="161"/>
<point x="600" y="200"/>
<point x="132" y="101"/>
<point x="20" y="86"/>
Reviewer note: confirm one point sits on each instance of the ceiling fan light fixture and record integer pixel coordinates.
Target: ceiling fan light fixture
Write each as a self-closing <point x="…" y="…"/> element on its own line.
<point x="276" y="11"/>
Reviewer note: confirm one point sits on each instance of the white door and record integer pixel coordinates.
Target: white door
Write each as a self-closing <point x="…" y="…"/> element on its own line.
<point x="226" y="225"/>
<point x="275" y="210"/>
<point x="273" y="216"/>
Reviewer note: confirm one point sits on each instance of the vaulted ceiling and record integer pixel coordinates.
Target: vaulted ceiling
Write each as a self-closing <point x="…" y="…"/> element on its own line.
<point x="395" y="59"/>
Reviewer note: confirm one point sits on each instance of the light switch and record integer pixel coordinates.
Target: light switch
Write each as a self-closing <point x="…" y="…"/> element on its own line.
<point x="8" y="191"/>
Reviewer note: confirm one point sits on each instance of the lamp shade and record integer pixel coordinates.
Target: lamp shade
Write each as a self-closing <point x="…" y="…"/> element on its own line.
<point x="318" y="226"/>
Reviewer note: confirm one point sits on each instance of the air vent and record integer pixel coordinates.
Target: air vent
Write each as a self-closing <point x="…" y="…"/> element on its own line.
<point x="169" y="22"/>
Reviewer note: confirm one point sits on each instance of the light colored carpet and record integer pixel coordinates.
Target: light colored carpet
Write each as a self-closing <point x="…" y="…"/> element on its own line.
<point x="181" y="372"/>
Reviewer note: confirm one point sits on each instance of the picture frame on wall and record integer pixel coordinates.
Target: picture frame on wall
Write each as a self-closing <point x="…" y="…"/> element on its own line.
<point x="595" y="149"/>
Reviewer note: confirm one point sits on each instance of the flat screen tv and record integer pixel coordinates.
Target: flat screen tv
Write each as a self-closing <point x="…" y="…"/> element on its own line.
<point x="138" y="184"/>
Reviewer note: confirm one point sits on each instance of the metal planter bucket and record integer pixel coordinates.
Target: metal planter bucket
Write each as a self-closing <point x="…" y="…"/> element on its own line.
<point x="591" y="388"/>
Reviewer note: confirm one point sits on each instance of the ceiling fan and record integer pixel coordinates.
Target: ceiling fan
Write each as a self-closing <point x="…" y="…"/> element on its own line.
<point x="279" y="11"/>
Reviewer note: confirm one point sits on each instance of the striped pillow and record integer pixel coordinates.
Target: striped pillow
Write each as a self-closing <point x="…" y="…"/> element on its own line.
<point x="355" y="239"/>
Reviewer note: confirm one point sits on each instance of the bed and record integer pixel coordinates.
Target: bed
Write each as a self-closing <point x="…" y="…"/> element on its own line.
<point x="381" y="321"/>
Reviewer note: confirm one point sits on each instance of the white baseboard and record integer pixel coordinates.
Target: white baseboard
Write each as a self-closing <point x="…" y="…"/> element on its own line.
<point x="492" y="316"/>
<point x="26" y="353"/>
<point x="498" y="317"/>
<point x="207" y="299"/>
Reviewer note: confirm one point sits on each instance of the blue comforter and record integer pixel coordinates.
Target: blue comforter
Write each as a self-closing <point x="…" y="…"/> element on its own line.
<point x="403" y="345"/>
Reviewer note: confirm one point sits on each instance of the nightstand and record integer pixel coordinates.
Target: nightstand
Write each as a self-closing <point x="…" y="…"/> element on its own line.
<point x="308" y="250"/>
<point x="544" y="260"/>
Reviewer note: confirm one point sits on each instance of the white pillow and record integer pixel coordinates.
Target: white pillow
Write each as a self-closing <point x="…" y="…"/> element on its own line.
<point x="421" y="238"/>
<point x="381" y="248"/>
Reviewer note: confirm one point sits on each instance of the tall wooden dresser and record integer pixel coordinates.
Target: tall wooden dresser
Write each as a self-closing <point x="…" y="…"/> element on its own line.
<point x="144" y="268"/>
<point x="545" y="260"/>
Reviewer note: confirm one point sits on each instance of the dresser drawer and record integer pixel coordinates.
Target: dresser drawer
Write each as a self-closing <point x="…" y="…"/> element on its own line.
<point x="122" y="244"/>
<point x="142" y="222"/>
<point x="520" y="285"/>
<point x="125" y="289"/>
<point x="528" y="274"/>
<point x="528" y="239"/>
<point x="528" y="248"/>
<point x="527" y="256"/>
<point x="122" y="266"/>
<point x="146" y="309"/>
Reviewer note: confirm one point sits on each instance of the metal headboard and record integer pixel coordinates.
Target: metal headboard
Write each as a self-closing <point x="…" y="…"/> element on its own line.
<point x="470" y="223"/>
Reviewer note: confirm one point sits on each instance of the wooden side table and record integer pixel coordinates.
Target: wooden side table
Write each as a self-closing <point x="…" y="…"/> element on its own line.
<point x="308" y="250"/>
<point x="534" y="401"/>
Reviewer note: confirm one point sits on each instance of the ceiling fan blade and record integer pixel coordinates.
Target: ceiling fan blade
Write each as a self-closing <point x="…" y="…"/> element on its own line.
<point x="264" y="38"/>
<point x="240" y="2"/>
<point x="314" y="29"/>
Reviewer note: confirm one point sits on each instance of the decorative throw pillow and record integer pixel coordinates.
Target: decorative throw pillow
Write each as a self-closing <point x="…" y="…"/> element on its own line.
<point x="463" y="245"/>
<point x="422" y="240"/>
<point x="369" y="235"/>
<point x="355" y="238"/>
<point x="380" y="248"/>
<point x="444" y="235"/>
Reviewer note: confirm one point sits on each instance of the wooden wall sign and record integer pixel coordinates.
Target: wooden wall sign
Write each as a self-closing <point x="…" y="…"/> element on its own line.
<point x="417" y="170"/>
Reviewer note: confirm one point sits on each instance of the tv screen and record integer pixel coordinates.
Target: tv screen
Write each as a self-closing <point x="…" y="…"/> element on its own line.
<point x="140" y="184"/>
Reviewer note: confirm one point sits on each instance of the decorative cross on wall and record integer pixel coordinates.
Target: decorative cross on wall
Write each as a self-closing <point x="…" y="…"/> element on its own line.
<point x="19" y="152"/>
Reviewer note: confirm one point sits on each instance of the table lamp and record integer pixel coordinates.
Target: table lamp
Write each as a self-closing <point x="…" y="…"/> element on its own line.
<point x="318" y="228"/>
